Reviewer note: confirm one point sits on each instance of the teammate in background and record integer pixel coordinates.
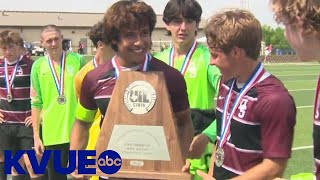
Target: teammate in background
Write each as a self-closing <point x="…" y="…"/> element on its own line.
<point x="255" y="114"/>
<point x="81" y="48"/>
<point x="128" y="25"/>
<point x="53" y="96"/>
<point x="182" y="18"/>
<point x="15" y="110"/>
<point x="103" y="54"/>
<point x="268" y="51"/>
<point x="301" y="20"/>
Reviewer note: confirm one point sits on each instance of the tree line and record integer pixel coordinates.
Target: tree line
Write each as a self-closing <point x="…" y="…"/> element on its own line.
<point x="275" y="36"/>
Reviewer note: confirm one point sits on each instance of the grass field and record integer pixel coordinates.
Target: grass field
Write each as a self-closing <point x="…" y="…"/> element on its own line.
<point x="300" y="79"/>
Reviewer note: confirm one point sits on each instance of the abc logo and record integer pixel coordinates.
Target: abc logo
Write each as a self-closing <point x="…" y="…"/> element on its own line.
<point x="109" y="162"/>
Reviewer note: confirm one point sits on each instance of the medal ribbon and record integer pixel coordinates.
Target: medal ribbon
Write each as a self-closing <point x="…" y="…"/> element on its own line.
<point x="117" y="66"/>
<point x="9" y="82"/>
<point x="187" y="59"/>
<point x="226" y="120"/>
<point x="59" y="83"/>
<point x="316" y="99"/>
<point x="95" y="63"/>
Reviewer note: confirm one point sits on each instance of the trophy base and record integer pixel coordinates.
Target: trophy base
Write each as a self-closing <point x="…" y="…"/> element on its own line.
<point x="147" y="175"/>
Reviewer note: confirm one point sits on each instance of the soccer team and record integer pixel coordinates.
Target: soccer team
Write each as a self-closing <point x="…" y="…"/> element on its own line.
<point x="58" y="103"/>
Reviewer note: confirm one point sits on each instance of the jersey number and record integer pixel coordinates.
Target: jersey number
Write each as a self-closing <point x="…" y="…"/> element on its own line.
<point x="242" y="108"/>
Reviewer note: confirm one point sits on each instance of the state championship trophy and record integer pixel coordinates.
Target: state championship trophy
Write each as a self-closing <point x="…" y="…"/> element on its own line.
<point x="139" y="125"/>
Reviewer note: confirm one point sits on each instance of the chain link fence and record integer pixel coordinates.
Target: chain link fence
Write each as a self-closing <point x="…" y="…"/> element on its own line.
<point x="280" y="59"/>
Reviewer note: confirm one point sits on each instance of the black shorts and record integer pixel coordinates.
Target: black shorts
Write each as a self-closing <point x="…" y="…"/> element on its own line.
<point x="316" y="142"/>
<point x="15" y="137"/>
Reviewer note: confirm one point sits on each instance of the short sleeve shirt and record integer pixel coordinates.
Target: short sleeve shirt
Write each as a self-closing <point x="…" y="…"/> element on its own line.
<point x="262" y="126"/>
<point x="16" y="111"/>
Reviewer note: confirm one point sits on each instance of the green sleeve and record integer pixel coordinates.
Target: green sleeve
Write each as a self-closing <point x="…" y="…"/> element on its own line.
<point x="84" y="114"/>
<point x="35" y="93"/>
<point x="211" y="131"/>
<point x="82" y="61"/>
<point x="213" y="73"/>
<point x="214" y="78"/>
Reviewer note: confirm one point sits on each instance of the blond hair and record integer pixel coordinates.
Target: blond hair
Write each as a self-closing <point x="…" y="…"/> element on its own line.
<point x="235" y="28"/>
<point x="50" y="28"/>
<point x="9" y="37"/>
<point x="289" y="11"/>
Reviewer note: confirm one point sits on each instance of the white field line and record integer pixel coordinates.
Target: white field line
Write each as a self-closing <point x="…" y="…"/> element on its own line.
<point x="297" y="90"/>
<point x="298" y="80"/>
<point x="301" y="148"/>
<point x="295" y="70"/>
<point x="293" y="75"/>
<point x="298" y="64"/>
<point x="301" y="107"/>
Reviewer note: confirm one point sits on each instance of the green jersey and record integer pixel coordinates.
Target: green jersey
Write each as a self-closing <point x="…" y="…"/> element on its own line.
<point x="201" y="78"/>
<point x="57" y="119"/>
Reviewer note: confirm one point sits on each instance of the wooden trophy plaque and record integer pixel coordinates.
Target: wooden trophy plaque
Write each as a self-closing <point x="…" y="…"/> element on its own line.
<point x="140" y="126"/>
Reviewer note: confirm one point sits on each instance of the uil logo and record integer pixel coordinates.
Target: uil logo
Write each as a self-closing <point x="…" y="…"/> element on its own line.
<point x="139" y="97"/>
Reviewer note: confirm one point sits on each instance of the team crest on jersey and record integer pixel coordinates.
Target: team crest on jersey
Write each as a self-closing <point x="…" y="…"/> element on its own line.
<point x="192" y="70"/>
<point x="19" y="70"/>
<point x="139" y="97"/>
<point x="70" y="70"/>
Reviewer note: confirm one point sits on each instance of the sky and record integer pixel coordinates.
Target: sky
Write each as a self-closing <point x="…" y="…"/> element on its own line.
<point x="258" y="7"/>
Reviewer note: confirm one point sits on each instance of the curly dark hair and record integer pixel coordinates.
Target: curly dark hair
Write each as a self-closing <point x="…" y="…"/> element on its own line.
<point x="96" y="34"/>
<point x="126" y="14"/>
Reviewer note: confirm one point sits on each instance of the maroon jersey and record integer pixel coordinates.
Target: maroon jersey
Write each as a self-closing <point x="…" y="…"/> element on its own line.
<point x="316" y="131"/>
<point x="99" y="83"/>
<point x="20" y="108"/>
<point x="316" y="148"/>
<point x="262" y="126"/>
